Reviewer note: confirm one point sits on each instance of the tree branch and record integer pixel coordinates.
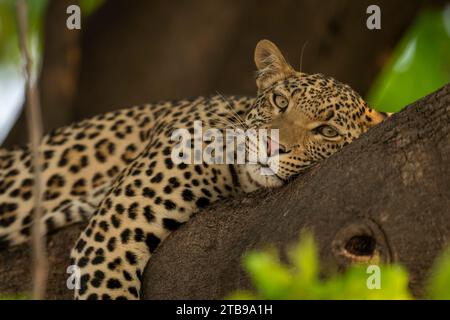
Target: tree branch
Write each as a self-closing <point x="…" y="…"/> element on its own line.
<point x="391" y="187"/>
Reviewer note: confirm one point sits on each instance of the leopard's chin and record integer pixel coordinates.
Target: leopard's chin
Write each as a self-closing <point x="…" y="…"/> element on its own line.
<point x="268" y="180"/>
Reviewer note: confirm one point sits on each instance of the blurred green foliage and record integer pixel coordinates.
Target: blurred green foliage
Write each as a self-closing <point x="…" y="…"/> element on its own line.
<point x="89" y="6"/>
<point x="301" y="280"/>
<point x="14" y="297"/>
<point x="9" y="49"/>
<point x="439" y="283"/>
<point x="419" y="65"/>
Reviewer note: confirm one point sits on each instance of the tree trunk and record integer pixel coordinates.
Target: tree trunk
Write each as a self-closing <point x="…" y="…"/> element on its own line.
<point x="389" y="192"/>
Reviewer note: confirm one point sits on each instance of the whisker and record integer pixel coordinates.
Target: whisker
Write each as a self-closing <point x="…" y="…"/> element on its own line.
<point x="301" y="55"/>
<point x="233" y="112"/>
<point x="226" y="122"/>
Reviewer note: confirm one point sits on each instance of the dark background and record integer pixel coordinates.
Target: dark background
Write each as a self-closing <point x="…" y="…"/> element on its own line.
<point x="138" y="51"/>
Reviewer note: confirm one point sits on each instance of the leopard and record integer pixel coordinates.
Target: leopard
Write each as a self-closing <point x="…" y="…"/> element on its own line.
<point x="116" y="171"/>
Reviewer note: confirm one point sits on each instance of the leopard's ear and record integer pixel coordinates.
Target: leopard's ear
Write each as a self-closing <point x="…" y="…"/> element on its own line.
<point x="270" y="63"/>
<point x="373" y="117"/>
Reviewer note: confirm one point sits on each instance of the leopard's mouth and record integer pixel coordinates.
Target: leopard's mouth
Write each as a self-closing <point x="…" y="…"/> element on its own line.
<point x="266" y="167"/>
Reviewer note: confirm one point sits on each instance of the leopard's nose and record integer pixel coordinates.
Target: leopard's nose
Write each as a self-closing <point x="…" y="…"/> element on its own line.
<point x="274" y="147"/>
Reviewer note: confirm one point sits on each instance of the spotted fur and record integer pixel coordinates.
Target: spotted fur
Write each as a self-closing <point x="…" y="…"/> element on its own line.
<point x="116" y="169"/>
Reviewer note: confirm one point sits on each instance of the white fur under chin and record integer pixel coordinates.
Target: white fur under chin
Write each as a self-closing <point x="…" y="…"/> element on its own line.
<point x="269" y="181"/>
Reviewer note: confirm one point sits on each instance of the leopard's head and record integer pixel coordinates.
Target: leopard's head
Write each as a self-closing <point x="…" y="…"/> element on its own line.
<point x="315" y="115"/>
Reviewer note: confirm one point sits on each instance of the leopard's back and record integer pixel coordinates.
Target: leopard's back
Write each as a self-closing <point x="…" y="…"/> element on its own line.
<point x="81" y="161"/>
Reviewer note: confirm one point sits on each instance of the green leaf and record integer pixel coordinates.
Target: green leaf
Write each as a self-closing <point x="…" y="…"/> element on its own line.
<point x="270" y="277"/>
<point x="419" y="65"/>
<point x="439" y="283"/>
<point x="273" y="280"/>
<point x="305" y="259"/>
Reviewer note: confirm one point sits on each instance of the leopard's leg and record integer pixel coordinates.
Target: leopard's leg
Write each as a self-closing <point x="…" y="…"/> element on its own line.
<point x="148" y="201"/>
<point x="112" y="263"/>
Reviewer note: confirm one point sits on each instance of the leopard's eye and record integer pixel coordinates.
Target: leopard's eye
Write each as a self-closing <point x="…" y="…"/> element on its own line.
<point x="327" y="131"/>
<point x="280" y="101"/>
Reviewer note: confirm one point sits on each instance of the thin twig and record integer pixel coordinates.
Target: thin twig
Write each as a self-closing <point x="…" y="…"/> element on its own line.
<point x="34" y="122"/>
